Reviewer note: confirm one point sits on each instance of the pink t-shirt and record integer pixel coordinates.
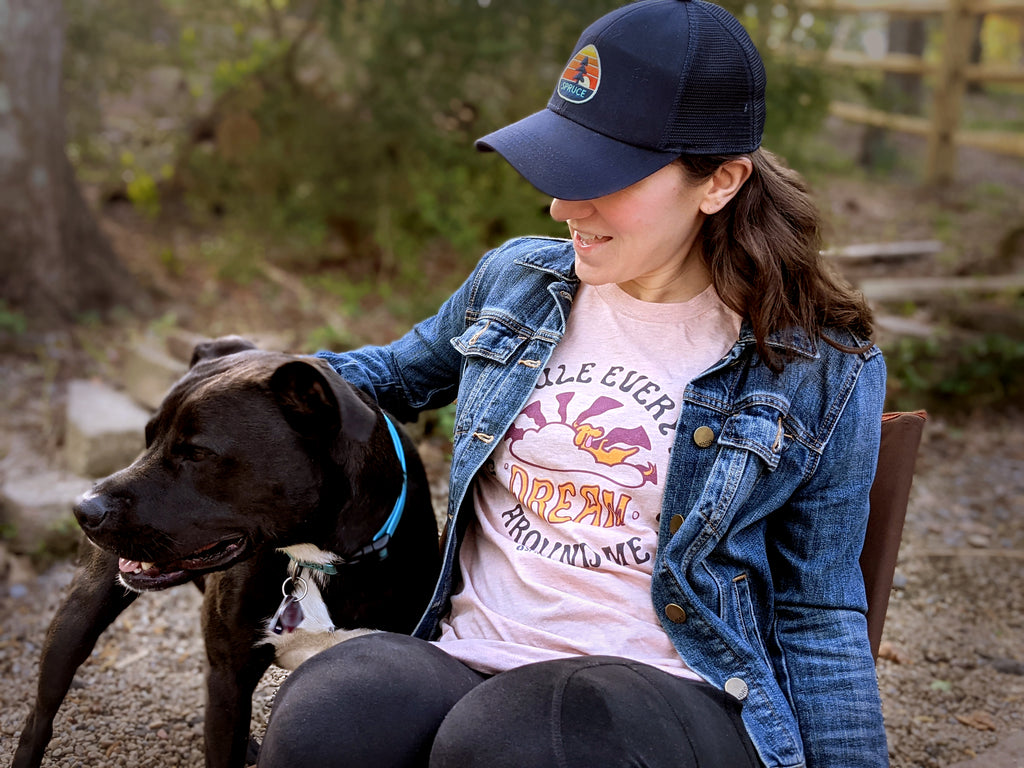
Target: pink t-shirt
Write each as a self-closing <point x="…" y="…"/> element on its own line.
<point x="558" y="561"/>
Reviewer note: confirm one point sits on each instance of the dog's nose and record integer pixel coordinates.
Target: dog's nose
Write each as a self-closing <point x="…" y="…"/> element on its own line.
<point x="90" y="510"/>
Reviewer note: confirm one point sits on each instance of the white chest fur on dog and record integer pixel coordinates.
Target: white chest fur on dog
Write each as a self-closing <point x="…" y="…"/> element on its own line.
<point x="316" y="632"/>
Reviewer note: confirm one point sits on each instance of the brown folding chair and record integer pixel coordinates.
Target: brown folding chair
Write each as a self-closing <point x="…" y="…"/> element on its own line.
<point x="890" y="492"/>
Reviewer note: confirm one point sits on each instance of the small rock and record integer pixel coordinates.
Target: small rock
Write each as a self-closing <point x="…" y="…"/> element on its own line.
<point x="149" y="372"/>
<point x="105" y="429"/>
<point x="1008" y="666"/>
<point x="979" y="719"/>
<point x="893" y="653"/>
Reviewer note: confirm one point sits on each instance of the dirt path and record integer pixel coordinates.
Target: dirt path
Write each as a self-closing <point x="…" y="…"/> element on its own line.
<point x="952" y="676"/>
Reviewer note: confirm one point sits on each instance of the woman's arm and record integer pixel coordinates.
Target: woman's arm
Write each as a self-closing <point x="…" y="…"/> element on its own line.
<point x="821" y="627"/>
<point x="419" y="371"/>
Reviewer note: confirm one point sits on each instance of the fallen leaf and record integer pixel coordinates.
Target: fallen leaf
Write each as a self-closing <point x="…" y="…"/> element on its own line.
<point x="890" y="652"/>
<point x="979" y="719"/>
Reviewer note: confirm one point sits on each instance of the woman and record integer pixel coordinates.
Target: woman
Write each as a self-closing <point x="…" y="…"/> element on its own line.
<point x="665" y="436"/>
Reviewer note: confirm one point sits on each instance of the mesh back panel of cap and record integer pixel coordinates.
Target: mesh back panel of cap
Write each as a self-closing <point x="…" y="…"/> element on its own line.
<point x="720" y="104"/>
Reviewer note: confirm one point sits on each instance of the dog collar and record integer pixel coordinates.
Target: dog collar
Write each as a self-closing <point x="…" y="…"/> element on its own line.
<point x="380" y="541"/>
<point x="379" y="544"/>
<point x="396" y="513"/>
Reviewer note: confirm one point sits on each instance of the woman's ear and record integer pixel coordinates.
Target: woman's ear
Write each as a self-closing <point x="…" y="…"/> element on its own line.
<point x="724" y="183"/>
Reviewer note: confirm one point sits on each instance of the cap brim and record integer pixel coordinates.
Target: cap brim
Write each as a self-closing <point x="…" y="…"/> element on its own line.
<point x="563" y="159"/>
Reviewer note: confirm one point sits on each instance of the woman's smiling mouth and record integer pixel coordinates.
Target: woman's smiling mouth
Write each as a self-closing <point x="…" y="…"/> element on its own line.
<point x="587" y="239"/>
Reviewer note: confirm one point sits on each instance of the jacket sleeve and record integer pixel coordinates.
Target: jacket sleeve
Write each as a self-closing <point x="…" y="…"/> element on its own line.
<point x="821" y="628"/>
<point x="419" y="371"/>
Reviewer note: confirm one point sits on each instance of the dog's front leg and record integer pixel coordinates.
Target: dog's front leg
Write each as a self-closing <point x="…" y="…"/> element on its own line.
<point x="232" y="610"/>
<point x="96" y="598"/>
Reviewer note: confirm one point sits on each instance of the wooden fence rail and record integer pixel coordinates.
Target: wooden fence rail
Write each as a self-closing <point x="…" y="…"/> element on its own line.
<point x="952" y="73"/>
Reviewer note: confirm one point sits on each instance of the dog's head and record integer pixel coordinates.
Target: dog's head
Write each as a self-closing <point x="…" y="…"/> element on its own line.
<point x="249" y="448"/>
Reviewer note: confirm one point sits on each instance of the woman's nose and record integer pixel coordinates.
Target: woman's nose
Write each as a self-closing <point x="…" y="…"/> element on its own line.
<point x="563" y="210"/>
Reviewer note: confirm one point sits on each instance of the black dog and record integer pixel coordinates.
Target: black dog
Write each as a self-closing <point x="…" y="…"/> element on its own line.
<point x="278" y="488"/>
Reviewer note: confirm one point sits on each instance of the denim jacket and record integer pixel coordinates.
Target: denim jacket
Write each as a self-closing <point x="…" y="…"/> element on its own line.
<point x="756" y="578"/>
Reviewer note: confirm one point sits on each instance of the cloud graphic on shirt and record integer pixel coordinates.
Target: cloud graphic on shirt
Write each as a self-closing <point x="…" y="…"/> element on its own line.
<point x="599" y="452"/>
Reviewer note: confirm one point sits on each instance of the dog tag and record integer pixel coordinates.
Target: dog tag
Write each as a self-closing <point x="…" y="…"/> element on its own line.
<point x="289" y="616"/>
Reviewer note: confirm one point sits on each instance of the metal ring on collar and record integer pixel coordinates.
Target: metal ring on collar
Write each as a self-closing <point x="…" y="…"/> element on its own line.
<point x="299" y="583"/>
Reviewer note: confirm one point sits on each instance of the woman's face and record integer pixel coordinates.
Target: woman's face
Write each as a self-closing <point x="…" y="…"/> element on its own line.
<point x="642" y="237"/>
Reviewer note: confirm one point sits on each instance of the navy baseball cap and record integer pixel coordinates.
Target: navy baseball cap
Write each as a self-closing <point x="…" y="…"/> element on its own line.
<point x="647" y="83"/>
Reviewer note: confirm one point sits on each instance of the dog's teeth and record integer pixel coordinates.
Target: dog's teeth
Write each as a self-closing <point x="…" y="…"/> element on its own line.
<point x="145" y="566"/>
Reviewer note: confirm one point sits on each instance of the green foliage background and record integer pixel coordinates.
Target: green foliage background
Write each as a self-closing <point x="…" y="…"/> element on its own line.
<point x="341" y="131"/>
<point x="334" y="139"/>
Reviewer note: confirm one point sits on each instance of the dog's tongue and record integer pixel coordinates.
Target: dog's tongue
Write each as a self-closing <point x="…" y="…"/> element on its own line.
<point x="128" y="566"/>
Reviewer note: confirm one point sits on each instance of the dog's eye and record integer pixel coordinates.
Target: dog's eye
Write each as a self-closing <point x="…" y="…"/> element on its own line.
<point x="192" y="452"/>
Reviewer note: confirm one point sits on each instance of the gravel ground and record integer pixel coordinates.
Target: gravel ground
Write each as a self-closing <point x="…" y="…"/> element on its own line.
<point x="951" y="672"/>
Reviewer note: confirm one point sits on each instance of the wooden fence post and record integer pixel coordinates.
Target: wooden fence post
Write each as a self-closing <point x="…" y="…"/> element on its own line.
<point x="957" y="25"/>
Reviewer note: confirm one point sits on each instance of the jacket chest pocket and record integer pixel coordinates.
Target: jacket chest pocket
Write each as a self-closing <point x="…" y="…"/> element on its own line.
<point x="760" y="430"/>
<point x="497" y="372"/>
<point x="750" y="446"/>
<point x="490" y="339"/>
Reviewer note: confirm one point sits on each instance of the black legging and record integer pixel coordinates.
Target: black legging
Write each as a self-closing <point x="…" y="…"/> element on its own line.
<point x="383" y="701"/>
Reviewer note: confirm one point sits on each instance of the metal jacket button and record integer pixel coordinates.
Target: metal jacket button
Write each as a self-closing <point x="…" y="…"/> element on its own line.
<point x="736" y="688"/>
<point x="703" y="436"/>
<point x="675" y="613"/>
<point x="675" y="523"/>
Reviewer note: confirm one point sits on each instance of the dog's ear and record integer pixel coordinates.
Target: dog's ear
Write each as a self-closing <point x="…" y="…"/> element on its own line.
<point x="225" y="345"/>
<point x="312" y="406"/>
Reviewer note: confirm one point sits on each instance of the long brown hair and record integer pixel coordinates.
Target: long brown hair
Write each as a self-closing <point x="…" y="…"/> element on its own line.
<point x="763" y="251"/>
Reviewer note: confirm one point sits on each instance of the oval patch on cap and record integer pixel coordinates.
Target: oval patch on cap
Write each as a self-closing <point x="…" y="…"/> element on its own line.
<point x="581" y="76"/>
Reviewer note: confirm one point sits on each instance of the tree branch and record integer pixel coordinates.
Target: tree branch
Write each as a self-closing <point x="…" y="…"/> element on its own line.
<point x="313" y="12"/>
<point x="275" y="20"/>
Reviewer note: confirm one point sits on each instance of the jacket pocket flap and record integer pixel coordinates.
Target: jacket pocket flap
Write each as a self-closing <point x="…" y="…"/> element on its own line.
<point x="490" y="339"/>
<point x="758" y="430"/>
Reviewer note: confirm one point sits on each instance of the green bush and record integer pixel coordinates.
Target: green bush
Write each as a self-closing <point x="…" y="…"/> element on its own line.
<point x="12" y="320"/>
<point x="340" y="134"/>
<point x="956" y="377"/>
<point x="374" y="169"/>
<point x="376" y="162"/>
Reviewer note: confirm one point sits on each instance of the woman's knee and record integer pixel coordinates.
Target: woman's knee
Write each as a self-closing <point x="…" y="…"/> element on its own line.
<point x="591" y="711"/>
<point x="373" y="700"/>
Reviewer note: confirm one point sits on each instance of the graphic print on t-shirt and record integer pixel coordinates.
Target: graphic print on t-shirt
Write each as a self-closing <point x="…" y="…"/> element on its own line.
<point x="582" y="455"/>
<point x="606" y="452"/>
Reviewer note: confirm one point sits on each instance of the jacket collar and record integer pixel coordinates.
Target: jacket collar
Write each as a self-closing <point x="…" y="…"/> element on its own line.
<point x="795" y="340"/>
<point x="555" y="257"/>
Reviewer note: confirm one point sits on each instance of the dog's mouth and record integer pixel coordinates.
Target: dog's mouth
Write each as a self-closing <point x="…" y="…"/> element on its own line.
<point x="148" y="576"/>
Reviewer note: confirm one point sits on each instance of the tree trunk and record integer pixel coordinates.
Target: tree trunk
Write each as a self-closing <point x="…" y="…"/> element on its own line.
<point x="900" y="93"/>
<point x="904" y="92"/>
<point x="55" y="263"/>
